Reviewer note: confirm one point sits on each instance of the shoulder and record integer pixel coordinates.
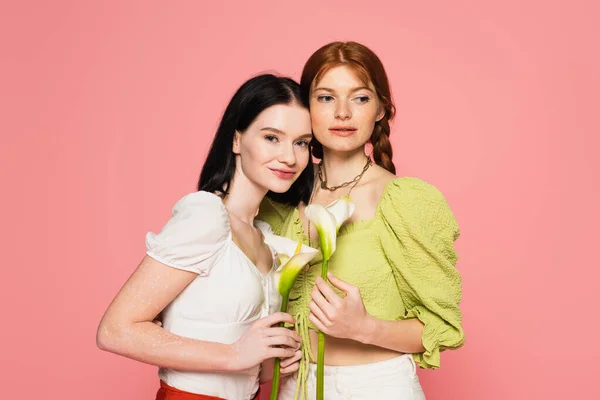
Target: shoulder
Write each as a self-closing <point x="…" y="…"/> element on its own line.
<point x="414" y="200"/>
<point x="195" y="235"/>
<point x="200" y="215"/>
<point x="201" y="203"/>
<point x="412" y="188"/>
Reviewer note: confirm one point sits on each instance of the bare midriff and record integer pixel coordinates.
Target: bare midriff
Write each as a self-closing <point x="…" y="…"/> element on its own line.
<point x="345" y="352"/>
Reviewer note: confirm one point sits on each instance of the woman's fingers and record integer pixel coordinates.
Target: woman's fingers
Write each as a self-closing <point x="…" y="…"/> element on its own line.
<point x="283" y="332"/>
<point x="290" y="369"/>
<point x="316" y="322"/>
<point x="314" y="308"/>
<point x="273" y="319"/>
<point x="280" y="352"/>
<point x="321" y="301"/>
<point x="341" y="284"/>
<point x="330" y="295"/>
<point x="282" y="341"/>
<point x="286" y="362"/>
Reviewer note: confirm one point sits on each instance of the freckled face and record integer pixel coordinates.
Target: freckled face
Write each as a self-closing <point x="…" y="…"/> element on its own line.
<point x="273" y="151"/>
<point x="343" y="110"/>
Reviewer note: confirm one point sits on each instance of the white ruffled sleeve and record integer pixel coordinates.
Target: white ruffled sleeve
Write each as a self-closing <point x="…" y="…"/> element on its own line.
<point x="195" y="237"/>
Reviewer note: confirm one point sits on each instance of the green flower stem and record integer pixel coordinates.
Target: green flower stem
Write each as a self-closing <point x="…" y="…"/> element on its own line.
<point x="320" y="364"/>
<point x="324" y="268"/>
<point x="321" y="346"/>
<point x="277" y="363"/>
<point x="275" y="383"/>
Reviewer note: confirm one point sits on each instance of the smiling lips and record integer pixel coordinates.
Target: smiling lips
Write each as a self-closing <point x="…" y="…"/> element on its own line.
<point x="283" y="173"/>
<point x="343" y="131"/>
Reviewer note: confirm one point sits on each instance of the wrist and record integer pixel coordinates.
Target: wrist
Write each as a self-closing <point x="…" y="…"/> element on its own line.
<point x="368" y="330"/>
<point x="230" y="361"/>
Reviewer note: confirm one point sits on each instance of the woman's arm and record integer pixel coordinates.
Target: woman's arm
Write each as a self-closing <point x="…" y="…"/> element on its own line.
<point x="127" y="328"/>
<point x="404" y="336"/>
<point x="346" y="317"/>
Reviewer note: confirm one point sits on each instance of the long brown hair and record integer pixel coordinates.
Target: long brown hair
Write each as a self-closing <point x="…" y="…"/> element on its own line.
<point x="368" y="68"/>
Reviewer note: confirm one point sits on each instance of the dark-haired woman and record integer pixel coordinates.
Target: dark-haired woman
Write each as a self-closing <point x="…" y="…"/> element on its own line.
<point x="396" y="292"/>
<point x="209" y="270"/>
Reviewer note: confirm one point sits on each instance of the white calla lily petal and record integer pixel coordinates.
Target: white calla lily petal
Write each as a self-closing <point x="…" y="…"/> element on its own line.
<point x="281" y="245"/>
<point x="326" y="226"/>
<point x="287" y="274"/>
<point x="292" y="261"/>
<point x="341" y="210"/>
<point x="302" y="258"/>
<point x="328" y="221"/>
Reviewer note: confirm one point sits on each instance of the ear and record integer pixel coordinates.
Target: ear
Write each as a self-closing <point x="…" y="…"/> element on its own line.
<point x="236" y="142"/>
<point x="380" y="113"/>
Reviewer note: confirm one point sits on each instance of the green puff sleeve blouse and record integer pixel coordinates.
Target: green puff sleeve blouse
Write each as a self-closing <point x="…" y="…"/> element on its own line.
<point x="403" y="261"/>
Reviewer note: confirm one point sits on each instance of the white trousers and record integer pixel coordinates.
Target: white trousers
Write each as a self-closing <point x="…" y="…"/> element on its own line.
<point x="394" y="379"/>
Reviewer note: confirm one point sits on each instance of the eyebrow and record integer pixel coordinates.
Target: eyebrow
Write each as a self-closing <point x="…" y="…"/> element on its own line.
<point x="356" y="89"/>
<point x="275" y="130"/>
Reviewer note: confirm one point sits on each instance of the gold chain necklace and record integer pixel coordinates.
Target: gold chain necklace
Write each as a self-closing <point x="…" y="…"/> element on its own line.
<point x="344" y="184"/>
<point x="324" y="186"/>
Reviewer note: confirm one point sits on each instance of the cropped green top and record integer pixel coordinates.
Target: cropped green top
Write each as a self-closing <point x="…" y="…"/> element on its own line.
<point x="402" y="260"/>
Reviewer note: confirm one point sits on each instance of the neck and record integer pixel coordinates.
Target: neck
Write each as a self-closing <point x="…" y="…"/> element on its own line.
<point x="343" y="166"/>
<point x="244" y="197"/>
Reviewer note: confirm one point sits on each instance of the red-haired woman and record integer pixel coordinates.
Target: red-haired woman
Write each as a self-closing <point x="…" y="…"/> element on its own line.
<point x="395" y="293"/>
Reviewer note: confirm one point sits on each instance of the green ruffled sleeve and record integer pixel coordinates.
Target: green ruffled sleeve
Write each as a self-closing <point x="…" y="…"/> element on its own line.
<point x="274" y="214"/>
<point x="418" y="242"/>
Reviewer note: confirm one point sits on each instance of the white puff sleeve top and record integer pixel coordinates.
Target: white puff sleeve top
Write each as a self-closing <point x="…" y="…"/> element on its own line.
<point x="228" y="295"/>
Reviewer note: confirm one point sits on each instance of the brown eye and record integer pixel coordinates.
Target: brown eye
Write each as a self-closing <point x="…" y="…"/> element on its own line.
<point x="324" y="98"/>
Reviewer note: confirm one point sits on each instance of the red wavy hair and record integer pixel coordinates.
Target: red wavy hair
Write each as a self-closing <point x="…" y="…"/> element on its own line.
<point x="369" y="69"/>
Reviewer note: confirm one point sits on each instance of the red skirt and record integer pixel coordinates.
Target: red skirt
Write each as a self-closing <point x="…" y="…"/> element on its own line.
<point x="167" y="392"/>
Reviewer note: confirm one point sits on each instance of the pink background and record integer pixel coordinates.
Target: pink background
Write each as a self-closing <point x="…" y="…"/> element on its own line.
<point x="107" y="108"/>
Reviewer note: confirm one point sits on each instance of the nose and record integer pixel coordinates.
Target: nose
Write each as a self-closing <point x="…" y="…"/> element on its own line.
<point x="287" y="155"/>
<point x="342" y="111"/>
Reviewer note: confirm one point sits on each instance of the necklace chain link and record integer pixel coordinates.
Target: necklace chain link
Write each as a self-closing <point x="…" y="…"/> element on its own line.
<point x="344" y="184"/>
<point x="334" y="188"/>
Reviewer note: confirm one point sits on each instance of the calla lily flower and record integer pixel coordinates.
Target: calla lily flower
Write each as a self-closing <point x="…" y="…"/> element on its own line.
<point x="293" y="256"/>
<point x="328" y="221"/>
